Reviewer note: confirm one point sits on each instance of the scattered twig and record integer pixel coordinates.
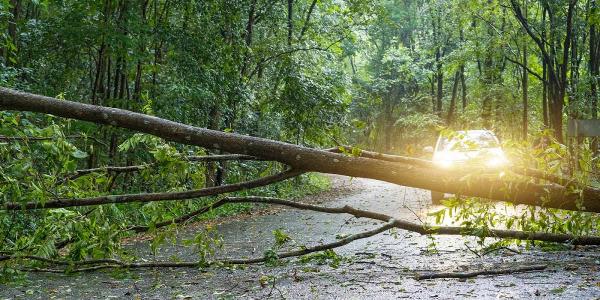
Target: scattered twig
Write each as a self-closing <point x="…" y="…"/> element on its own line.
<point x="471" y="274"/>
<point x="498" y="249"/>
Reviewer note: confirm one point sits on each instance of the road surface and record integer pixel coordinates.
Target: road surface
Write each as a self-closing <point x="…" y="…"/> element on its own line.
<point x="380" y="267"/>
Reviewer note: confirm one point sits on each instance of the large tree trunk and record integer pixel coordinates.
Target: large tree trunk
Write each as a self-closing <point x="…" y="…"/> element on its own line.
<point x="306" y="159"/>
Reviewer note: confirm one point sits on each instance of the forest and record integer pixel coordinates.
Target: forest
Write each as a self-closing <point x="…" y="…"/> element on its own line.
<point x="136" y="119"/>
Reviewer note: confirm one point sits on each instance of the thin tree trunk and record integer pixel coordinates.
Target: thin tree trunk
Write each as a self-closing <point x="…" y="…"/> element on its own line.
<point x="290" y="21"/>
<point x="307" y="19"/>
<point x="12" y="29"/>
<point x="463" y="87"/>
<point x="594" y="67"/>
<point x="545" y="95"/>
<point x="440" y="82"/>
<point x="525" y="86"/>
<point x="453" y="99"/>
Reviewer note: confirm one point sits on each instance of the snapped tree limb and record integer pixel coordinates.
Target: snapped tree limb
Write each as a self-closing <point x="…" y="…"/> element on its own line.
<point x="463" y="275"/>
<point x="302" y="158"/>
<point x="149" y="197"/>
<point x="400" y="224"/>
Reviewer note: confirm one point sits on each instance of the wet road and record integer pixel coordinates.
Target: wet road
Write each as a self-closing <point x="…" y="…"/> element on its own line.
<point x="380" y="267"/>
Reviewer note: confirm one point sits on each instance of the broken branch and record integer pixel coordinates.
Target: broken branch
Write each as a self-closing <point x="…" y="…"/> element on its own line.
<point x="464" y="275"/>
<point x="150" y="197"/>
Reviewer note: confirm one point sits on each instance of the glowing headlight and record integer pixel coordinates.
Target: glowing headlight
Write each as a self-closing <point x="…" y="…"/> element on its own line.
<point x="496" y="162"/>
<point x="445" y="159"/>
<point x="446" y="163"/>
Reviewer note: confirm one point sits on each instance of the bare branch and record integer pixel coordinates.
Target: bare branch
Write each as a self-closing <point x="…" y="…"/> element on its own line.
<point x="116" y="169"/>
<point x="4" y="138"/>
<point x="538" y="76"/>
<point x="150" y="197"/>
<point x="423" y="229"/>
<point x="221" y="157"/>
<point x="108" y="169"/>
<point x="481" y="272"/>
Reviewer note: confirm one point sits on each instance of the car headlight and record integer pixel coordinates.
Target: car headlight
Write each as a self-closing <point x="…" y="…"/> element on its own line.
<point x="445" y="159"/>
<point x="497" y="161"/>
<point x="445" y="163"/>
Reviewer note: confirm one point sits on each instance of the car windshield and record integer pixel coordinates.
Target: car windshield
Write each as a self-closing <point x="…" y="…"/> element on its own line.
<point x="469" y="141"/>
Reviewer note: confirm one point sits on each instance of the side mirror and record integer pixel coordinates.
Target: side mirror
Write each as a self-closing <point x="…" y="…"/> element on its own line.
<point x="428" y="149"/>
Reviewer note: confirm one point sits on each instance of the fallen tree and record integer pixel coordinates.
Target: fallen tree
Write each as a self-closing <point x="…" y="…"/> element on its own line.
<point x="407" y="171"/>
<point x="307" y="159"/>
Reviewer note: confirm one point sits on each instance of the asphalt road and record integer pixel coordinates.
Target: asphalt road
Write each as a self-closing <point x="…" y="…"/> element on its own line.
<point x="380" y="267"/>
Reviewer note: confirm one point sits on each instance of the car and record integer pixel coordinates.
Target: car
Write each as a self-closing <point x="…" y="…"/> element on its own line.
<point x="470" y="149"/>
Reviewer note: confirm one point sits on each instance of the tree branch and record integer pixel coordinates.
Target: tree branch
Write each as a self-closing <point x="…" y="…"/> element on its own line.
<point x="307" y="19"/>
<point x="150" y="197"/>
<point x="538" y="76"/>
<point x="118" y="169"/>
<point x="221" y="157"/>
<point x="4" y="138"/>
<point x="425" y="230"/>
<point x="481" y="272"/>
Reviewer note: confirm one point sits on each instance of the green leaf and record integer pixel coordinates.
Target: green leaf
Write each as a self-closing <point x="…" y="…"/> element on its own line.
<point x="79" y="154"/>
